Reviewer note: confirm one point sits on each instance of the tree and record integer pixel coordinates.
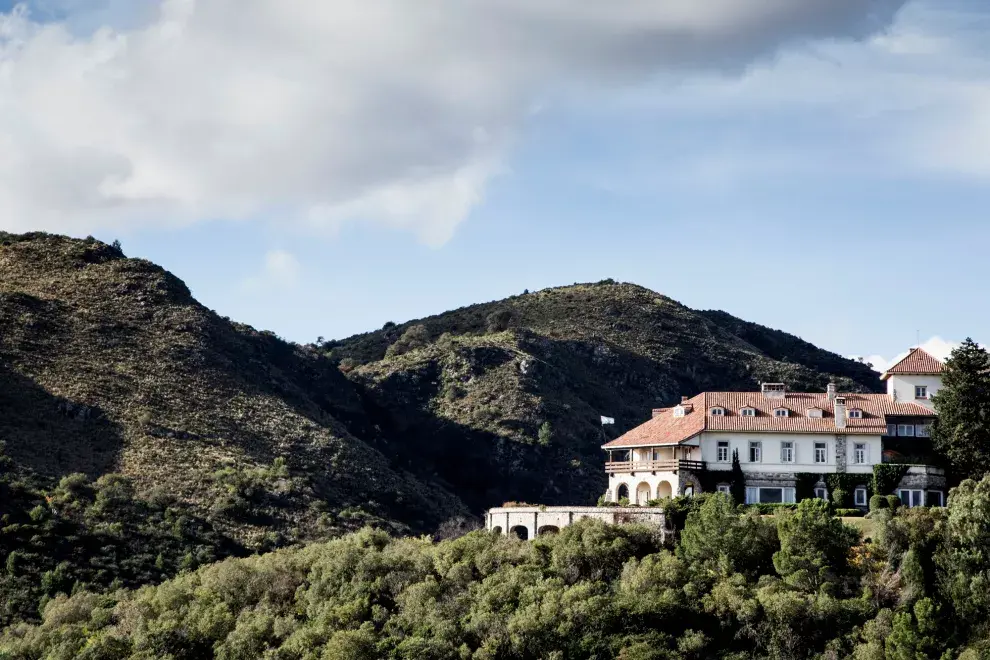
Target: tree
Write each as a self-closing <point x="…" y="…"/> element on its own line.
<point x="961" y="433"/>
<point x="964" y="560"/>
<point x="545" y="436"/>
<point x="738" y="485"/>
<point x="814" y="546"/>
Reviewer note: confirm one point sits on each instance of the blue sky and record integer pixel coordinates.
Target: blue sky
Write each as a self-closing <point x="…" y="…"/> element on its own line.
<point x="832" y="182"/>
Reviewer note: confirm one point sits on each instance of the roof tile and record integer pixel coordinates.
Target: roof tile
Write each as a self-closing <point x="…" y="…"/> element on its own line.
<point x="665" y="429"/>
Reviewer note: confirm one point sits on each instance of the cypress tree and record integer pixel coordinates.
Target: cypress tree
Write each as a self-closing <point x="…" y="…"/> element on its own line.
<point x="738" y="486"/>
<point x="961" y="432"/>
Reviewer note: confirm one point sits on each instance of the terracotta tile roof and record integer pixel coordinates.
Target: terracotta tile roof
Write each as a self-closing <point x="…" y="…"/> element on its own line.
<point x="666" y="429"/>
<point x="917" y="362"/>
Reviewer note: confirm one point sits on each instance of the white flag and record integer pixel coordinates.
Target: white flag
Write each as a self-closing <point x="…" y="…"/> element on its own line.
<point x="608" y="420"/>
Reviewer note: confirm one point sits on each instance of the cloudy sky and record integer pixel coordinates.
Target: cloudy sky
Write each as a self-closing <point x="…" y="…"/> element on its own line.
<point x="322" y="167"/>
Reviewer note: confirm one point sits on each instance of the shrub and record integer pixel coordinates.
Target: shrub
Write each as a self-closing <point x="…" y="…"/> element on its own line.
<point x="840" y="497"/>
<point x="878" y="502"/>
<point x="498" y="321"/>
<point x="415" y="336"/>
<point x="770" y="509"/>
<point x="893" y="502"/>
<point x="849" y="513"/>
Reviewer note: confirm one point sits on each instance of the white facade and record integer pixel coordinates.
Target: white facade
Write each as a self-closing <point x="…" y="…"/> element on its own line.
<point x="805" y="451"/>
<point x="904" y="388"/>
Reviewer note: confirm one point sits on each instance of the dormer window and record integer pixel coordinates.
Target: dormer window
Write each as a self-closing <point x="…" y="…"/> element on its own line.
<point x="718" y="412"/>
<point x="855" y="413"/>
<point x="781" y="412"/>
<point x="679" y="411"/>
<point x="815" y="413"/>
<point x="748" y="412"/>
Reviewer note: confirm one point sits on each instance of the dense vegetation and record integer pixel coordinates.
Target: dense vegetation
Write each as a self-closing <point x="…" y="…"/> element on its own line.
<point x="737" y="585"/>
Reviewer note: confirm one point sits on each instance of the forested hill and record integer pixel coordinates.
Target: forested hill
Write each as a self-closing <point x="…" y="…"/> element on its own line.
<point x="502" y="400"/>
<point x="141" y="433"/>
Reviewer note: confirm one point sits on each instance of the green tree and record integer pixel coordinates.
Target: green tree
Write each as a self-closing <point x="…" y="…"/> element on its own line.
<point x="965" y="558"/>
<point x="814" y="546"/>
<point x="738" y="485"/>
<point x="718" y="540"/>
<point x="961" y="433"/>
<point x="545" y="435"/>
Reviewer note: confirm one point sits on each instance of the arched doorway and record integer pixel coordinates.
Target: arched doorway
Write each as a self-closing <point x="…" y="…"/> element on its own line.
<point x="622" y="492"/>
<point x="520" y="532"/>
<point x="496" y="530"/>
<point x="642" y="493"/>
<point x="547" y="529"/>
<point x="664" y="489"/>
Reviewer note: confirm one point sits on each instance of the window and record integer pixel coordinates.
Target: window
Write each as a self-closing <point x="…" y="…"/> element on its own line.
<point x="748" y="412"/>
<point x="679" y="411"/>
<point x="905" y="430"/>
<point x="923" y="431"/>
<point x="920" y="392"/>
<point x="718" y="412"/>
<point x="770" y="495"/>
<point x="723" y="452"/>
<point x="935" y="498"/>
<point x="815" y="413"/>
<point x="860" y="496"/>
<point x="855" y="413"/>
<point x="821" y="493"/>
<point x="724" y="488"/>
<point x="859" y="453"/>
<point x="912" y="497"/>
<point x="786" y="452"/>
<point x="891" y="429"/>
<point x="780" y="412"/>
<point x="821" y="452"/>
<point x="755" y="452"/>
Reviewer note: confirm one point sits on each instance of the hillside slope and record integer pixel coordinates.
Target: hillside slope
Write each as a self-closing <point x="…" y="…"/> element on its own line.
<point x="108" y="364"/>
<point x="468" y="391"/>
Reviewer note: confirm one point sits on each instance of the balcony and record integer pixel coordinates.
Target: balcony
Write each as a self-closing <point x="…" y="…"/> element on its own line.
<point x="653" y="466"/>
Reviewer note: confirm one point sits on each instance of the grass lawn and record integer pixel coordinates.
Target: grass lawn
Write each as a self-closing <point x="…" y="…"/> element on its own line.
<point x="865" y="526"/>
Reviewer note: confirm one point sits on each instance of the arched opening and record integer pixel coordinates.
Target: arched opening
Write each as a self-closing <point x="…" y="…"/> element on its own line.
<point x="520" y="532"/>
<point x="547" y="529"/>
<point x="689" y="490"/>
<point x="664" y="489"/>
<point x="622" y="493"/>
<point x="496" y="529"/>
<point x="642" y="493"/>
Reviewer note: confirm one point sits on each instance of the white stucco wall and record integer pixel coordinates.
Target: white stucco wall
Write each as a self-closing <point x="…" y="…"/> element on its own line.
<point x="804" y="451"/>
<point x="901" y="388"/>
<point x="658" y="484"/>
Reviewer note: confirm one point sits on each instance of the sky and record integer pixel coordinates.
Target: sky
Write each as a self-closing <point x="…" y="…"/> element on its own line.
<point x="321" y="168"/>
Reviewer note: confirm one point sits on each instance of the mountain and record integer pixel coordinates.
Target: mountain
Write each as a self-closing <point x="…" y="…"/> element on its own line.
<point x="142" y="434"/>
<point x="108" y="365"/>
<point x="503" y="400"/>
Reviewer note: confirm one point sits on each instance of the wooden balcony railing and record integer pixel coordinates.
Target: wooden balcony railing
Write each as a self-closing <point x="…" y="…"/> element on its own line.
<point x="654" y="466"/>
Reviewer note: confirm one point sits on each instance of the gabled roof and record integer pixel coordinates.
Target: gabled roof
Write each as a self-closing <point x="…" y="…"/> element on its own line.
<point x="916" y="363"/>
<point x="665" y="429"/>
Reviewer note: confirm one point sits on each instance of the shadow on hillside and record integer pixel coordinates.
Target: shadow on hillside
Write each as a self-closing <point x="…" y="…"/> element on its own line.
<point x="51" y="435"/>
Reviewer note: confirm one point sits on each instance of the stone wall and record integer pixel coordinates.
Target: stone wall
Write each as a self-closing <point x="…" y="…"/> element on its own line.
<point x="530" y="522"/>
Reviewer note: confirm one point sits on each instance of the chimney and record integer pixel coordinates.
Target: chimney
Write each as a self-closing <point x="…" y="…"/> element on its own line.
<point x="831" y="391"/>
<point x="840" y="412"/>
<point x="684" y="399"/>
<point x="774" y="390"/>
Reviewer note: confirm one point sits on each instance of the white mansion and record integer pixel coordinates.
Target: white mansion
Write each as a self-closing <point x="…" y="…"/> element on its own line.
<point x="778" y="435"/>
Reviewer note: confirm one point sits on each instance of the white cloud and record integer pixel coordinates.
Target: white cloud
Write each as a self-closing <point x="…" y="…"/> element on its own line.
<point x="280" y="272"/>
<point x="935" y="346"/>
<point x="326" y="112"/>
